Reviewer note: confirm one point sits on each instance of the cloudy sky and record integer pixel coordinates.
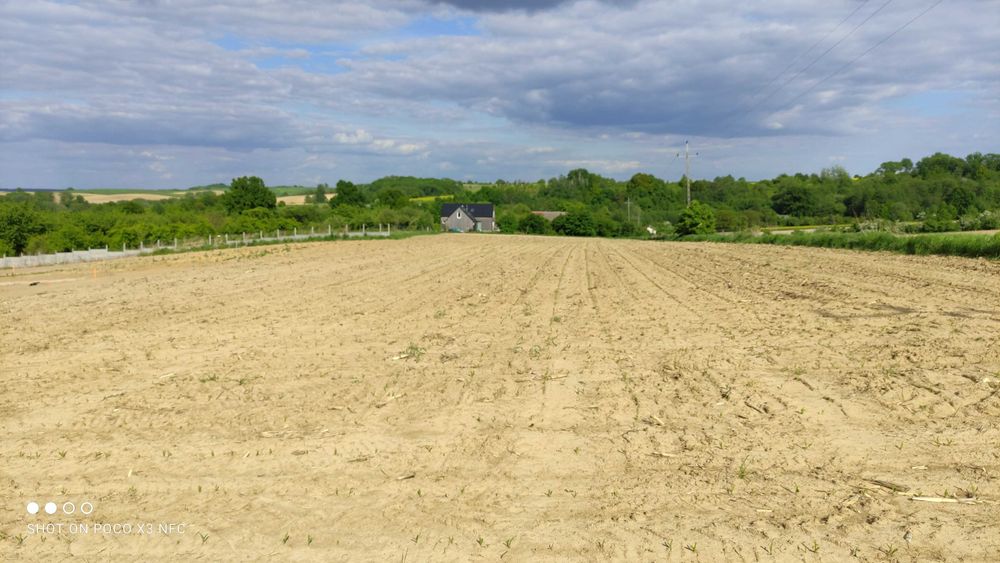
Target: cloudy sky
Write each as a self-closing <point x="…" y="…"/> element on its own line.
<point x="174" y="93"/>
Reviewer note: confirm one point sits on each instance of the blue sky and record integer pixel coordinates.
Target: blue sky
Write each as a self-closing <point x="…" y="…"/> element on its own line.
<point x="164" y="94"/>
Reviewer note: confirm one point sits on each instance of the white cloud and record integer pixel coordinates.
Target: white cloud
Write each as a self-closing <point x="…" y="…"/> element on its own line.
<point x="604" y="85"/>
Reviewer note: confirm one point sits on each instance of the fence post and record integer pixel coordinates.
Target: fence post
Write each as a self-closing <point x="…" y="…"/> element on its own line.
<point x="123" y="247"/>
<point x="209" y="240"/>
<point x="227" y="238"/>
<point x="329" y="229"/>
<point x="389" y="229"/>
<point x="295" y="231"/>
<point x="312" y="230"/>
<point x="175" y="243"/>
<point x="364" y="229"/>
<point x="244" y="238"/>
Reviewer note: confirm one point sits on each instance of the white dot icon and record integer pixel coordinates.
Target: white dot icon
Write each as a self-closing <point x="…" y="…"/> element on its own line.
<point x="50" y="508"/>
<point x="32" y="507"/>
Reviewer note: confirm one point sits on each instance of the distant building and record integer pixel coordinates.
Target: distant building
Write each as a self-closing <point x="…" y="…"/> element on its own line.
<point x="550" y="215"/>
<point x="465" y="217"/>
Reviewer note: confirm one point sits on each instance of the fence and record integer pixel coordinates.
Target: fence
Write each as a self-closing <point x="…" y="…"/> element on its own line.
<point x="212" y="241"/>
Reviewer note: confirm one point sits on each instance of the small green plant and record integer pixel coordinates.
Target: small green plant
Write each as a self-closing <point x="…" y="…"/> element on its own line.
<point x="507" y="542"/>
<point x="889" y="550"/>
<point x="309" y="540"/>
<point x="20" y="539"/>
<point x="692" y="547"/>
<point x="204" y="538"/>
<point x="62" y="454"/>
<point x="481" y="541"/>
<point x="742" y="472"/>
<point x="284" y="540"/>
<point x="814" y="548"/>
<point x="412" y="351"/>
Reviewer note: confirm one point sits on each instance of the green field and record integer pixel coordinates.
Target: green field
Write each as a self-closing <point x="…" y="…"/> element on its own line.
<point x="968" y="245"/>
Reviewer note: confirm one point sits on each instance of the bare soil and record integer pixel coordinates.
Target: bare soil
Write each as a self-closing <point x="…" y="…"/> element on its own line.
<point x="476" y="397"/>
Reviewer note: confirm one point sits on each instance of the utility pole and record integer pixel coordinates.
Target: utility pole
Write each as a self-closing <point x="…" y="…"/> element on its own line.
<point x="628" y="206"/>
<point x="687" y="170"/>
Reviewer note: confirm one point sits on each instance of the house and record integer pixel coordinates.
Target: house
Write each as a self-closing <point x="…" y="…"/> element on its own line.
<point x="550" y="215"/>
<point x="465" y="217"/>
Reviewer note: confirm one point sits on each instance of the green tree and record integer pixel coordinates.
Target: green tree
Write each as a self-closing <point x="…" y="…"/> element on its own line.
<point x="248" y="192"/>
<point x="577" y="224"/>
<point x="535" y="225"/>
<point x="18" y="223"/>
<point x="696" y="219"/>
<point x="794" y="198"/>
<point x="320" y="196"/>
<point x="392" y="197"/>
<point x="347" y="194"/>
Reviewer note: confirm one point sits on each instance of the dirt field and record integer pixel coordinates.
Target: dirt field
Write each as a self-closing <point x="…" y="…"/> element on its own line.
<point x="464" y="397"/>
<point x="108" y="198"/>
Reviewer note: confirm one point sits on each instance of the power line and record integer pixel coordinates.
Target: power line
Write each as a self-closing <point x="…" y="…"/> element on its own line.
<point x="823" y="54"/>
<point x="869" y="50"/>
<point x="809" y="50"/>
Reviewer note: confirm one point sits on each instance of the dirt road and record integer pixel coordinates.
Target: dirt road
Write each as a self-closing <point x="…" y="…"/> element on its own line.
<point x="464" y="397"/>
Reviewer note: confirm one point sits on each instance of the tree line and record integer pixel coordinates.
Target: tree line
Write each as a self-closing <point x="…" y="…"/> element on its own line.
<point x="939" y="192"/>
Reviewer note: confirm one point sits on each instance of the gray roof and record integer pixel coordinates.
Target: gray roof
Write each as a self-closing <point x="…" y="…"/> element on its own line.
<point x="475" y="210"/>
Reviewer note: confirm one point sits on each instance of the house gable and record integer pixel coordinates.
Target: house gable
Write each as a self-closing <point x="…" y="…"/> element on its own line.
<point x="468" y="217"/>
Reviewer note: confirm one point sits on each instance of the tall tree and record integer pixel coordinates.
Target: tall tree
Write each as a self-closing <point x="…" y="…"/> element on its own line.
<point x="347" y="194"/>
<point x="248" y="192"/>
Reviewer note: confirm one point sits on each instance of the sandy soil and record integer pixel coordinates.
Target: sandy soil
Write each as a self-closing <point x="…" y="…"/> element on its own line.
<point x="463" y="397"/>
<point x="108" y="198"/>
<point x="293" y="199"/>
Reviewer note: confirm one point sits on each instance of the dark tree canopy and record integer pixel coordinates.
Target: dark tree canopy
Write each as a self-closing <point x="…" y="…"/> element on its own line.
<point x="17" y="224"/>
<point x="248" y="192"/>
<point x="347" y="194"/>
<point x="579" y="224"/>
<point x="535" y="225"/>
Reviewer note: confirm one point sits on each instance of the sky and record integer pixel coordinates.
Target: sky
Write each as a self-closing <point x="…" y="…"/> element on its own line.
<point x="176" y="93"/>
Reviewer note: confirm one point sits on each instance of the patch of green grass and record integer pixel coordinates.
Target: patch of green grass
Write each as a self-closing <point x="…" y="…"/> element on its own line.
<point x="970" y="246"/>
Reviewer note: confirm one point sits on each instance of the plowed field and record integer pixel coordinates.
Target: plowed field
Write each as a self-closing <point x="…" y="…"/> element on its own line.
<point x="463" y="397"/>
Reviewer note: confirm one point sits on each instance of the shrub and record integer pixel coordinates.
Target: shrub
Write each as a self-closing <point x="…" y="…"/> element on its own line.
<point x="697" y="219"/>
<point x="577" y="224"/>
<point x="535" y="225"/>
